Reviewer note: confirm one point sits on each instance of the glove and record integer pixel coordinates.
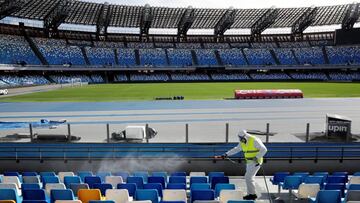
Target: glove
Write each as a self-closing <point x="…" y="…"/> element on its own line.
<point x="256" y="160"/>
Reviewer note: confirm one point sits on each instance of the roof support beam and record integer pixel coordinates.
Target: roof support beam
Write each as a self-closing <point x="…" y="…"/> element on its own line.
<point x="304" y="21"/>
<point x="10" y="6"/>
<point x="103" y="20"/>
<point x="145" y="21"/>
<point x="351" y="16"/>
<point x="57" y="16"/>
<point x="187" y="19"/>
<point x="224" y="23"/>
<point x="265" y="21"/>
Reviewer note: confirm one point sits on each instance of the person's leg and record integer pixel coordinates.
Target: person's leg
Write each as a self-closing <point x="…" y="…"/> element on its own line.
<point x="250" y="174"/>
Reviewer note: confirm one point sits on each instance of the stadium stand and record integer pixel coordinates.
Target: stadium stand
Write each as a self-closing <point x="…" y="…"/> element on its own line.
<point x="15" y="50"/>
<point x="310" y="56"/>
<point x="149" y="77"/>
<point x="180" y="57"/>
<point x="152" y="57"/>
<point x="259" y="57"/>
<point x="206" y="57"/>
<point x="126" y="57"/>
<point x="232" y="57"/>
<point x="101" y="56"/>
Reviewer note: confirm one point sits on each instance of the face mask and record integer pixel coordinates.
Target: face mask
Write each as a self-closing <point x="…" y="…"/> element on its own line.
<point x="243" y="140"/>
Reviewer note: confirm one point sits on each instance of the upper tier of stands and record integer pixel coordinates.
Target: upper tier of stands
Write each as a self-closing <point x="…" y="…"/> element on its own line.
<point x="18" y="50"/>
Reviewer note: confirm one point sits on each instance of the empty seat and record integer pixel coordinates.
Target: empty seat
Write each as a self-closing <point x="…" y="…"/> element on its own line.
<point x="9" y="194"/>
<point x="61" y="175"/>
<point x="202" y="195"/>
<point x="177" y="179"/>
<point x="336" y="179"/>
<point x="34" y="201"/>
<point x="31" y="179"/>
<point x="156" y="186"/>
<point x="11" y="173"/>
<point x="118" y="195"/>
<point x="113" y="180"/>
<point x="130" y="187"/>
<point x="91" y="180"/>
<point x="53" y="186"/>
<point x="341" y="173"/>
<point x="143" y="174"/>
<point x="178" y="173"/>
<point x="198" y="179"/>
<point x="241" y="201"/>
<point x="290" y="183"/>
<point x="302" y="174"/>
<point x="26" y="186"/>
<point x="223" y="186"/>
<point x="327" y="196"/>
<point x="200" y="186"/>
<point x="10" y="186"/>
<point x="336" y="186"/>
<point x="49" y="179"/>
<point x="217" y="180"/>
<point x="64" y="194"/>
<point x="315" y="179"/>
<point x="139" y="181"/>
<point x="102" y="187"/>
<point x="354" y="180"/>
<point x="123" y="174"/>
<point x="34" y="194"/>
<point x="176" y="186"/>
<point x="226" y="195"/>
<point x="157" y="179"/>
<point x="353" y="195"/>
<point x="29" y="174"/>
<point x="197" y="174"/>
<point x="147" y="194"/>
<point x="160" y="174"/>
<point x="307" y="190"/>
<point x="215" y="174"/>
<point x="278" y="179"/>
<point x="354" y="187"/>
<point x="174" y="195"/>
<point x="85" y="195"/>
<point x="101" y="201"/>
<point x="68" y="201"/>
<point x="83" y="174"/>
<point x="103" y="175"/>
<point x="12" y="179"/>
<point x="47" y="173"/>
<point x="75" y="187"/>
<point x="71" y="179"/>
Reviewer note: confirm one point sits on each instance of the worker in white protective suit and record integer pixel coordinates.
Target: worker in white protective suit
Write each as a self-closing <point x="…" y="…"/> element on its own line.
<point x="254" y="151"/>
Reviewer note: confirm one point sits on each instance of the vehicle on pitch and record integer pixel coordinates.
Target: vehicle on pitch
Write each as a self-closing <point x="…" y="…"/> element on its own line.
<point x="134" y="133"/>
<point x="43" y="123"/>
<point x="4" y="91"/>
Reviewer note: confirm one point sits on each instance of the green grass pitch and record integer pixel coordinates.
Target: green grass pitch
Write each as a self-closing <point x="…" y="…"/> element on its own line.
<point x="191" y="91"/>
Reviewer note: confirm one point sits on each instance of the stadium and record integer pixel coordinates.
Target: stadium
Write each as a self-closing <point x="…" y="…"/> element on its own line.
<point x="123" y="103"/>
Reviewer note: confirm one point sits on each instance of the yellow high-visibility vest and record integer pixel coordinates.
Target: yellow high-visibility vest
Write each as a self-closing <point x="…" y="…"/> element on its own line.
<point x="250" y="151"/>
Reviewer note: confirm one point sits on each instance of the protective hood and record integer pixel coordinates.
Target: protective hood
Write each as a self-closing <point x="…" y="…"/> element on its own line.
<point x="243" y="134"/>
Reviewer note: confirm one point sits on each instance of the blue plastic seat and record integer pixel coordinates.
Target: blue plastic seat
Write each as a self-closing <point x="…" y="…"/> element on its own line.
<point x="202" y="195"/>
<point x="143" y="174"/>
<point x="223" y="186"/>
<point x="217" y="180"/>
<point x="9" y="194"/>
<point x="101" y="201"/>
<point x="157" y="179"/>
<point x="131" y="187"/>
<point x="29" y="174"/>
<point x="49" y="179"/>
<point x="327" y="196"/>
<point x="341" y="173"/>
<point x="123" y="174"/>
<point x="147" y="194"/>
<point x="61" y="195"/>
<point x="103" y="174"/>
<point x="156" y="186"/>
<point x="27" y="186"/>
<point x="278" y="179"/>
<point x="356" y="174"/>
<point x="215" y="174"/>
<point x="139" y="181"/>
<point x="176" y="186"/>
<point x="336" y="179"/>
<point x="177" y="179"/>
<point x="178" y="173"/>
<point x="11" y="173"/>
<point x="198" y="179"/>
<point x="321" y="173"/>
<point x="291" y="182"/>
<point x="71" y="179"/>
<point x="200" y="186"/>
<point x="102" y="187"/>
<point x="83" y="174"/>
<point x="47" y="173"/>
<point x="34" y="194"/>
<point x="354" y="187"/>
<point x="315" y="179"/>
<point x="241" y="201"/>
<point x="160" y="174"/>
<point x="336" y="186"/>
<point x="91" y="180"/>
<point x="302" y="174"/>
<point x="34" y="201"/>
<point x="172" y="202"/>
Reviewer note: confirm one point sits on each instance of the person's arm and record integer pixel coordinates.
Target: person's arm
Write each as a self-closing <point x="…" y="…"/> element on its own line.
<point x="261" y="147"/>
<point x="234" y="150"/>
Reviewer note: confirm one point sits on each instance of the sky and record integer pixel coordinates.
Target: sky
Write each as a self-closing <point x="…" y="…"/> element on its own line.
<point x="228" y="3"/>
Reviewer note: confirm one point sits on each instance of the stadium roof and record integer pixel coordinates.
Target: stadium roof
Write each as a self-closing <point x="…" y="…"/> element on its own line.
<point x="87" y="13"/>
